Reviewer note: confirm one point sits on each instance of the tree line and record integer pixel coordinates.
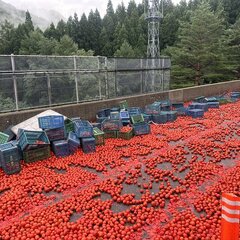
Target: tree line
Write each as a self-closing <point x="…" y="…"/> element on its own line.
<point x="202" y="37"/>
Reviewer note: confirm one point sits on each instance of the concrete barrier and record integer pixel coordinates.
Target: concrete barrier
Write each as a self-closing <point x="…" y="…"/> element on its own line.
<point x="88" y="110"/>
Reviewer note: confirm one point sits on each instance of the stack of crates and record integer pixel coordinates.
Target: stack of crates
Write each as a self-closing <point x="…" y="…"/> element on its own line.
<point x="111" y="128"/>
<point x="140" y="127"/>
<point x="10" y="158"/>
<point x="35" y="145"/>
<point x="125" y="117"/>
<point x="84" y="130"/>
<point x="99" y="136"/>
<point x="73" y="142"/>
<point x="53" y="126"/>
<point x="154" y="108"/>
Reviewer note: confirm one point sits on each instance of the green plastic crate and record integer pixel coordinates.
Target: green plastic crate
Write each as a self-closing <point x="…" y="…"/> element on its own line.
<point x="137" y="118"/>
<point x="3" y="138"/>
<point x="99" y="136"/>
<point x="126" y="135"/>
<point x="123" y="104"/>
<point x="111" y="134"/>
<point x="69" y="126"/>
<point x="36" y="154"/>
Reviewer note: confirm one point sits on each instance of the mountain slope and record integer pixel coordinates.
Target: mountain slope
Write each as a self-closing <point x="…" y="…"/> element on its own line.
<point x="16" y="16"/>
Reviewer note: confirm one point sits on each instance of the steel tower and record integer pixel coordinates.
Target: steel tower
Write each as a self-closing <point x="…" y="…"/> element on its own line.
<point x="153" y="14"/>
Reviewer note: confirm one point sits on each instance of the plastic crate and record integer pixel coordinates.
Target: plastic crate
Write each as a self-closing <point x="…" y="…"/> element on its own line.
<point x="83" y="129"/>
<point x="126" y="135"/>
<point x="160" y="118"/>
<point x="152" y="109"/>
<point x="33" y="139"/>
<point x="101" y="113"/>
<point x="111" y="125"/>
<point x="10" y="133"/>
<point x="172" y="116"/>
<point x="182" y="111"/>
<point x="203" y="106"/>
<point x="10" y="158"/>
<point x="55" y="134"/>
<point x="101" y="119"/>
<point x="223" y="101"/>
<point x="147" y="118"/>
<point x="123" y="105"/>
<point x="99" y="136"/>
<point x="15" y="144"/>
<point x="69" y="126"/>
<point x="126" y="122"/>
<point x="178" y="105"/>
<point x="61" y="148"/>
<point x="96" y="125"/>
<point x="73" y="142"/>
<point x="137" y="118"/>
<point x="115" y="109"/>
<point x="124" y="114"/>
<point x="141" y="129"/>
<point x="111" y="134"/>
<point x="213" y="104"/>
<point x="3" y="137"/>
<point x="51" y="122"/>
<point x="196" y="113"/>
<point x="36" y="154"/>
<point x="134" y="111"/>
<point x="88" y="145"/>
<point x="115" y="115"/>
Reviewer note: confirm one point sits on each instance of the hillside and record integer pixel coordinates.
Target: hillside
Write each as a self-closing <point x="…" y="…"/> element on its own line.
<point x="41" y="19"/>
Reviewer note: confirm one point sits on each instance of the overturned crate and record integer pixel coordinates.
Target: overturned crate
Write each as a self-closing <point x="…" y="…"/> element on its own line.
<point x="99" y="136"/>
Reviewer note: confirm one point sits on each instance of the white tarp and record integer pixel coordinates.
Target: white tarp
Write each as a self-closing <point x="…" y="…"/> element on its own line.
<point x="32" y="123"/>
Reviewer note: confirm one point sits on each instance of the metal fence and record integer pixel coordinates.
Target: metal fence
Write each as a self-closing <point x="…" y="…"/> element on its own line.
<point x="38" y="81"/>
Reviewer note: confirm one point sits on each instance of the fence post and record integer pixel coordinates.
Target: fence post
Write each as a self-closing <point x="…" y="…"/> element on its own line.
<point x="115" y="77"/>
<point x="75" y="77"/>
<point x="141" y="65"/>
<point x="14" y="81"/>
<point x="106" y="77"/>
<point x="49" y="90"/>
<point x="163" y="74"/>
<point x="99" y="80"/>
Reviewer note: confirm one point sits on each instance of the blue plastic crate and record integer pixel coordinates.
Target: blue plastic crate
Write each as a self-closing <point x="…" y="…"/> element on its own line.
<point x="210" y="99"/>
<point x="196" y="113"/>
<point x="83" y="129"/>
<point x="32" y="140"/>
<point x="124" y="115"/>
<point x="171" y="116"/>
<point x="147" y="118"/>
<point x="101" y="113"/>
<point x="73" y="142"/>
<point x="15" y="144"/>
<point x="153" y="109"/>
<point x="56" y="134"/>
<point x="111" y="125"/>
<point x="37" y="154"/>
<point x="88" y="145"/>
<point x="126" y="122"/>
<point x="134" y="111"/>
<point x="61" y="148"/>
<point x="203" y="106"/>
<point x="10" y="158"/>
<point x="199" y="99"/>
<point x="51" y="122"/>
<point x="141" y="129"/>
<point x="114" y="115"/>
<point x="115" y="109"/>
<point x="160" y="118"/>
<point x="213" y="104"/>
<point x="182" y="111"/>
<point x="101" y="119"/>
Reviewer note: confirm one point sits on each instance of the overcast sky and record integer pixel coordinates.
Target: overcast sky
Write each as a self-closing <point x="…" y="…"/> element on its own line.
<point x="68" y="7"/>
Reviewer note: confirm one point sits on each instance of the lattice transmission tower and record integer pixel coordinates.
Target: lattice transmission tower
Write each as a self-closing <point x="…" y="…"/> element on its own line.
<point x="153" y="14"/>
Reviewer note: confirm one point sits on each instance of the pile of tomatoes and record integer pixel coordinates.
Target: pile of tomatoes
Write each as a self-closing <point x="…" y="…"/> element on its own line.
<point x="165" y="185"/>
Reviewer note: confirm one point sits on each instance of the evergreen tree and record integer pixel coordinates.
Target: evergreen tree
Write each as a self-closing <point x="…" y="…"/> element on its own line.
<point x="7" y="33"/>
<point x="66" y="47"/>
<point x="28" y="22"/>
<point x="121" y="13"/>
<point x="51" y="32"/>
<point x="125" y="50"/>
<point x="198" y="52"/>
<point x="84" y="33"/>
<point x="106" y="46"/>
<point x="61" y="29"/>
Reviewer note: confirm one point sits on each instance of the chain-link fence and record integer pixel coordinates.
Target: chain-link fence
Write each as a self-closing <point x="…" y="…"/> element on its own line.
<point x="38" y="81"/>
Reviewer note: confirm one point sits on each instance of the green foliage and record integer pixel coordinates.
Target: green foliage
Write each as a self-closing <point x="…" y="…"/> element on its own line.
<point x="7" y="38"/>
<point x="66" y="47"/>
<point x="125" y="50"/>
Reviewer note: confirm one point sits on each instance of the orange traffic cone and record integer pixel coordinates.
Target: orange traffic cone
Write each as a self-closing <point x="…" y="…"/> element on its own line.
<point x="230" y="216"/>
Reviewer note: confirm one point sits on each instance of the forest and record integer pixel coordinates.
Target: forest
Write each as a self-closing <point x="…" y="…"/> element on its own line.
<point x="202" y="37"/>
